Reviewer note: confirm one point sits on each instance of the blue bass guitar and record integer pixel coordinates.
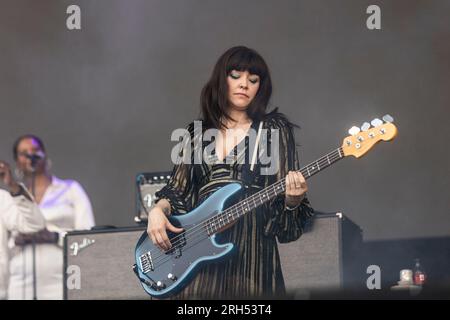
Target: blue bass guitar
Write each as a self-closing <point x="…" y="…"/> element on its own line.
<point x="164" y="273"/>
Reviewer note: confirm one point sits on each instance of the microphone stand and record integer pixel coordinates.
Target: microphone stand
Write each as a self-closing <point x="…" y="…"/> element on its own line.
<point x="33" y="241"/>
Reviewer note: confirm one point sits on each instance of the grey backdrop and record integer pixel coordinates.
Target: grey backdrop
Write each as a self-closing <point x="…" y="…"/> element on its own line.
<point x="106" y="98"/>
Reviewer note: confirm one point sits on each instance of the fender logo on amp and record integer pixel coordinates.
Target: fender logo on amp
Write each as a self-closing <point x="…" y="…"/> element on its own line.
<point x="78" y="246"/>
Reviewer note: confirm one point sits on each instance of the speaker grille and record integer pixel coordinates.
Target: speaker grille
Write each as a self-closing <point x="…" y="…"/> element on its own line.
<point x="323" y="258"/>
<point x="316" y="260"/>
<point x="105" y="265"/>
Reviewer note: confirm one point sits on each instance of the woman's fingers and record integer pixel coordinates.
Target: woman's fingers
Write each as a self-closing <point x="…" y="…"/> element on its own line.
<point x="297" y="181"/>
<point x="160" y="238"/>
<point x="167" y="244"/>
<point x="295" y="184"/>
<point x="161" y="242"/>
<point x="172" y="228"/>
<point x="152" y="237"/>
<point x="290" y="182"/>
<point x="157" y="224"/>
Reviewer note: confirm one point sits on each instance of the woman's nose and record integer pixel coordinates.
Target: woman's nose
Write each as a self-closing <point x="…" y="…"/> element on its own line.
<point x="244" y="84"/>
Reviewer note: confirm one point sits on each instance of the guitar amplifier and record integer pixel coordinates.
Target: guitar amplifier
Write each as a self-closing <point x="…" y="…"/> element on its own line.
<point x="98" y="264"/>
<point x="326" y="258"/>
<point x="147" y="184"/>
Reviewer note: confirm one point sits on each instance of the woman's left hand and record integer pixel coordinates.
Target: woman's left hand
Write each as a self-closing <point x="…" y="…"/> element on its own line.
<point x="295" y="188"/>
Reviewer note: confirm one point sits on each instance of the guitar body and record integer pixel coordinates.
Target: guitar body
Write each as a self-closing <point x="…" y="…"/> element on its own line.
<point x="166" y="273"/>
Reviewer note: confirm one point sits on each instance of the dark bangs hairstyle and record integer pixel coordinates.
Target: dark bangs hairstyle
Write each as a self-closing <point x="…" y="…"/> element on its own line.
<point x="214" y="95"/>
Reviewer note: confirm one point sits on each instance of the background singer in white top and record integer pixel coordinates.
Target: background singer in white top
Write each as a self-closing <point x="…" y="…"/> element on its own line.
<point x="16" y="214"/>
<point x="64" y="206"/>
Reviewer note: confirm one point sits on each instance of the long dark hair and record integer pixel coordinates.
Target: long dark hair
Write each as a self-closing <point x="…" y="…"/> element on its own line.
<point x="214" y="96"/>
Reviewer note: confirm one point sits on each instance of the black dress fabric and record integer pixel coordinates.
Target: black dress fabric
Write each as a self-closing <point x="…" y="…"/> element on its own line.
<point x="254" y="269"/>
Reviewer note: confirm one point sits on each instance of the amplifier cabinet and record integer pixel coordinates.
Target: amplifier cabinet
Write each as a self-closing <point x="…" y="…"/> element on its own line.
<point x="98" y="264"/>
<point x="326" y="257"/>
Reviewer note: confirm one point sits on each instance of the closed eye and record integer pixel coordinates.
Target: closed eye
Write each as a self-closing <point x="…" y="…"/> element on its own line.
<point x="236" y="75"/>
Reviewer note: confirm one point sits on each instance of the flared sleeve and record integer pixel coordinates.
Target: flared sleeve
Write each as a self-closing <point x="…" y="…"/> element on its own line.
<point x="286" y="225"/>
<point x="181" y="190"/>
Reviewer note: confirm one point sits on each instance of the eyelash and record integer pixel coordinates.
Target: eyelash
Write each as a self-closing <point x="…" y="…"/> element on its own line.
<point x="237" y="77"/>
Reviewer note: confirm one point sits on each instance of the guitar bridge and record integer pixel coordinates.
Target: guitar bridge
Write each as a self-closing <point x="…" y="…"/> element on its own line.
<point x="146" y="262"/>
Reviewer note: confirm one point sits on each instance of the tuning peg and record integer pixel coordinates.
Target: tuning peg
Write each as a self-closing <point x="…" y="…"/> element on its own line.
<point x="354" y="131"/>
<point x="376" y="122"/>
<point x="388" y="118"/>
<point x="365" y="126"/>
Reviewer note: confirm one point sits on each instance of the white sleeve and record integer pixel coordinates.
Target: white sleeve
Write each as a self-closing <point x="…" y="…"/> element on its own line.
<point x="22" y="215"/>
<point x="4" y="261"/>
<point x="16" y="214"/>
<point x="84" y="218"/>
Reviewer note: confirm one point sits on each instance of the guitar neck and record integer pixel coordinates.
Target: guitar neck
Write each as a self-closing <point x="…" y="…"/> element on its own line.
<point x="231" y="214"/>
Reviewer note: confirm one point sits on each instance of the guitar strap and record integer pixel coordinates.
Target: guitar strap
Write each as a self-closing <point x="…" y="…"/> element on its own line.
<point x="255" y="150"/>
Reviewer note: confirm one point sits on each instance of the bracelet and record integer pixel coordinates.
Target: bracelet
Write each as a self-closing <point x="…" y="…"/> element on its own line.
<point x="292" y="209"/>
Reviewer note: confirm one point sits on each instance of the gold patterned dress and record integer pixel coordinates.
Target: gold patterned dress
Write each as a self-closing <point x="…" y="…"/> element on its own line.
<point x="254" y="269"/>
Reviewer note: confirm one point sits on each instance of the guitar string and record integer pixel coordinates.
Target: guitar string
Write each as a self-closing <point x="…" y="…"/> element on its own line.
<point x="273" y="188"/>
<point x="340" y="155"/>
<point x="199" y="234"/>
<point x="235" y="209"/>
<point x="279" y="184"/>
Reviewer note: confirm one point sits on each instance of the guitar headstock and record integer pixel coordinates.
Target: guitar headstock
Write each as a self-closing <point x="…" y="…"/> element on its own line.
<point x="362" y="140"/>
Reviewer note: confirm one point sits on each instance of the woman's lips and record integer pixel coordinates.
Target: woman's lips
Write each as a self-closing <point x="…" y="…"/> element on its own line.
<point x="242" y="94"/>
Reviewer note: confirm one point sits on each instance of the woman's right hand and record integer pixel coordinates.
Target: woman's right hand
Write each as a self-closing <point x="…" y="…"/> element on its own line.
<point x="157" y="226"/>
<point x="7" y="177"/>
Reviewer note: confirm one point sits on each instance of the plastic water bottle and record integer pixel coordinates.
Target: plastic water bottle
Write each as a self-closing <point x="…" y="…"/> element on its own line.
<point x="419" y="274"/>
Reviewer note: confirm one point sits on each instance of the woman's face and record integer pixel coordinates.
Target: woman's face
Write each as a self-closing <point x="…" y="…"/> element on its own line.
<point x="29" y="146"/>
<point x="242" y="88"/>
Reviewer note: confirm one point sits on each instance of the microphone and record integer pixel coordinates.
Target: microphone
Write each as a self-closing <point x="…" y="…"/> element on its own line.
<point x="35" y="157"/>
